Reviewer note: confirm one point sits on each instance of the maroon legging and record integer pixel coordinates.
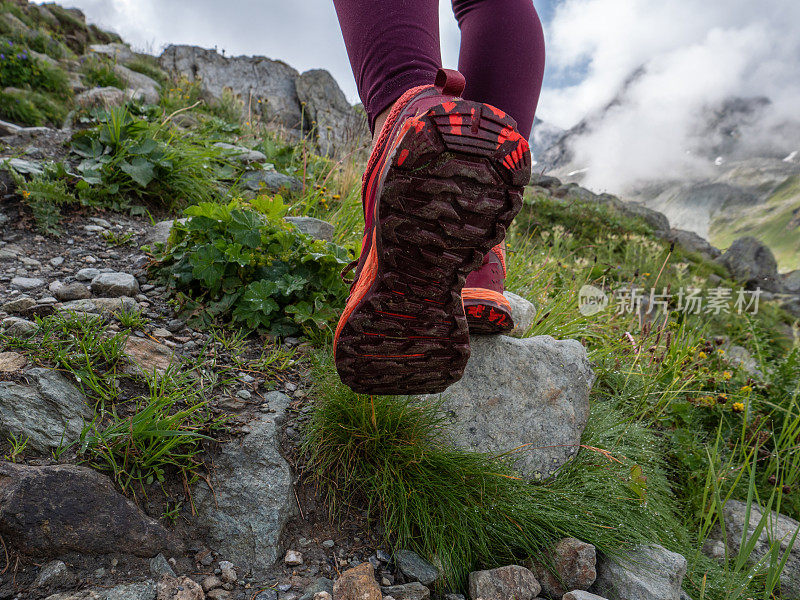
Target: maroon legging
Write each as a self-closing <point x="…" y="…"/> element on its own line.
<point x="393" y="46"/>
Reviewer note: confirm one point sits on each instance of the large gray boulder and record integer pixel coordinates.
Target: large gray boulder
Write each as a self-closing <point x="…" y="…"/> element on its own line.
<point x="251" y="500"/>
<point x="780" y="529"/>
<point x="648" y="573"/>
<point x="531" y="392"/>
<point x="691" y="242"/>
<point x="140" y="86"/>
<point x="338" y="126"/>
<point x="752" y="262"/>
<point x="44" y="407"/>
<point x="266" y="86"/>
<point x="47" y="511"/>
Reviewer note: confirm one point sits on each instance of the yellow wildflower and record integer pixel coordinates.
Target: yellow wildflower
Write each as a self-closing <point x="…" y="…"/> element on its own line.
<point x="701" y="354"/>
<point x="746" y="389"/>
<point x="737" y="407"/>
<point x="727" y="375"/>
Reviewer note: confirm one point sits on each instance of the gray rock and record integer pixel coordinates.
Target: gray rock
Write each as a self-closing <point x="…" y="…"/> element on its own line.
<point x="545" y="181"/>
<point x="8" y="128"/>
<point x="791" y="282"/>
<point x="408" y="591"/>
<point x="27" y="284"/>
<point x="322" y="584"/>
<point x="752" y="263"/>
<point x="339" y="127"/>
<point x="15" y="326"/>
<point x="143" y="590"/>
<point x="266" y="85"/>
<point x="573" y="567"/>
<point x="252" y="495"/>
<point x="268" y="179"/>
<point x="120" y="53"/>
<point x="648" y="573"/>
<point x="241" y="153"/>
<point x="523" y="312"/>
<point x="140" y="86"/>
<point x="103" y="306"/>
<point x="101" y="97"/>
<point x="581" y="595"/>
<point x="28" y="167"/>
<point x="316" y="228"/>
<point x="46" y="511"/>
<point x="691" y="242"/>
<point x="159" y="233"/>
<point x="501" y="584"/>
<point x="18" y="305"/>
<point x="54" y="575"/>
<point x="780" y="529"/>
<point x="47" y="409"/>
<point x="56" y="261"/>
<point x="658" y="221"/>
<point x="115" y="284"/>
<point x="533" y="391"/>
<point x="87" y="274"/>
<point x="72" y="291"/>
<point x="451" y="596"/>
<point x="160" y="566"/>
<point x="738" y="356"/>
<point x="416" y="568"/>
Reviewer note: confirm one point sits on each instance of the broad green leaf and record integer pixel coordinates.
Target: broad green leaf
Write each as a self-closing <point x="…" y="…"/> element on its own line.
<point x="140" y="170"/>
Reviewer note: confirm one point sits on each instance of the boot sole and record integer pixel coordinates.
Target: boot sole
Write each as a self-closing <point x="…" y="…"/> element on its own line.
<point x="487" y="311"/>
<point x="453" y="185"/>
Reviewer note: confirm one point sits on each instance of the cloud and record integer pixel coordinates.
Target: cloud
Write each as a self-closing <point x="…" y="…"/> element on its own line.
<point x="694" y="54"/>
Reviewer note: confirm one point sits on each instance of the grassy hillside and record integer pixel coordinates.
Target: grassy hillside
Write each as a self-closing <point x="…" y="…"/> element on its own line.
<point x="675" y="429"/>
<point x="776" y="222"/>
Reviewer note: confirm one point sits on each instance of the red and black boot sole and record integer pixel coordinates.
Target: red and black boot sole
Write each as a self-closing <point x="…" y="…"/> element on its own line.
<point x="450" y="190"/>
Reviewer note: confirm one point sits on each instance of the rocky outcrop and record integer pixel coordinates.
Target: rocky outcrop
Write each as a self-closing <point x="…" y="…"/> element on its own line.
<point x="44" y="407"/>
<point x="527" y="394"/>
<point x="276" y="93"/>
<point x="46" y="511"/>
<point x="246" y="509"/>
<point x="336" y="124"/>
<point x="266" y="86"/>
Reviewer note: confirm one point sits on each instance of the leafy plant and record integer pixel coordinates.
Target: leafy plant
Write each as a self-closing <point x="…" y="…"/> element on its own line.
<point x="129" y="156"/>
<point x="100" y="73"/>
<point x="244" y="263"/>
<point x="45" y="194"/>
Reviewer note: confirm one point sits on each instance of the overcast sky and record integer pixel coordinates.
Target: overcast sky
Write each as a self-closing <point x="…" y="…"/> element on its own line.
<point x="696" y="52"/>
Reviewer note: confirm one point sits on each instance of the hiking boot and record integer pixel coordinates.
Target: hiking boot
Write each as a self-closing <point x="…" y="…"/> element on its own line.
<point x="488" y="310"/>
<point x="442" y="184"/>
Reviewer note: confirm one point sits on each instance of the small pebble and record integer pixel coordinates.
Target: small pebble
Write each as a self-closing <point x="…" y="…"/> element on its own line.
<point x="328" y="543"/>
<point x="293" y="558"/>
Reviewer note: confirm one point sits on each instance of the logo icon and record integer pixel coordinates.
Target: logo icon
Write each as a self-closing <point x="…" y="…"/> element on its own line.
<point x="591" y="300"/>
